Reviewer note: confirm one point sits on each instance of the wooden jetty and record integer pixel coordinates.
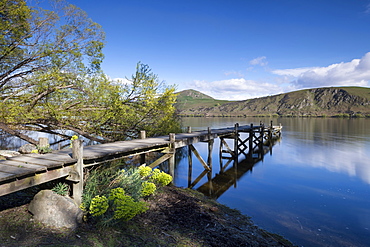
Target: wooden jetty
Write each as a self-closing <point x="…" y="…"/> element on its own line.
<point x="21" y="172"/>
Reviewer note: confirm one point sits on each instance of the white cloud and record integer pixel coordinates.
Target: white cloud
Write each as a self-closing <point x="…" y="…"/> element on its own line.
<point x="236" y="89"/>
<point x="353" y="73"/>
<point x="259" y="61"/>
<point x="338" y="159"/>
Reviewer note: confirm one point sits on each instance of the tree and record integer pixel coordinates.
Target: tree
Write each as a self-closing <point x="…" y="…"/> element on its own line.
<point x="144" y="103"/>
<point x="34" y="39"/>
<point x="42" y="52"/>
<point x="50" y="79"/>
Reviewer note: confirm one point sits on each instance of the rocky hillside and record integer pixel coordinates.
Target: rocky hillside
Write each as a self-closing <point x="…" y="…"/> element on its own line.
<point x="333" y="101"/>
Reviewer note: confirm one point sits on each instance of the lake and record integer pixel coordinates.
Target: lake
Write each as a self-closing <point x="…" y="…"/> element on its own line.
<point x="314" y="189"/>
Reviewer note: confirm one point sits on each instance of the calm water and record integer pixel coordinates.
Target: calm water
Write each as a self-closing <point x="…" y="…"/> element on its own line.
<point x="315" y="187"/>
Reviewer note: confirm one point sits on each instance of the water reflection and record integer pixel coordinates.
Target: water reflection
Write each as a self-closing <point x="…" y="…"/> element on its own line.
<point x="314" y="189"/>
<point x="229" y="171"/>
<point x="336" y="144"/>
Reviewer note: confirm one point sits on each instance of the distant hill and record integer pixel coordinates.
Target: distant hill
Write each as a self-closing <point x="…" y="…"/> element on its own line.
<point x="330" y="101"/>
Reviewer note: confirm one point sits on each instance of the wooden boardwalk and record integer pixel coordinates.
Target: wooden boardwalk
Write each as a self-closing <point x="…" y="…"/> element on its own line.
<point x="21" y="172"/>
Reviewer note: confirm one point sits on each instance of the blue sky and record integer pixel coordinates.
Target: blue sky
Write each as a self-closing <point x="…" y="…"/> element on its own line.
<point x="237" y="49"/>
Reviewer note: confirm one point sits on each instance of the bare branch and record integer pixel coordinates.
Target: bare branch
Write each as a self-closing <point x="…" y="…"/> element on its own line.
<point x="16" y="133"/>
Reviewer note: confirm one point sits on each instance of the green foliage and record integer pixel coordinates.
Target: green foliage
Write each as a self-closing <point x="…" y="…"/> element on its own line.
<point x="123" y="191"/>
<point x="44" y="150"/>
<point x="126" y="208"/>
<point x="98" y="206"/>
<point x="358" y="115"/>
<point x="145" y="171"/>
<point x="143" y="104"/>
<point x="61" y="189"/>
<point x="342" y="115"/>
<point x="148" y="189"/>
<point x="60" y="49"/>
<point x="160" y="177"/>
<point x="116" y="193"/>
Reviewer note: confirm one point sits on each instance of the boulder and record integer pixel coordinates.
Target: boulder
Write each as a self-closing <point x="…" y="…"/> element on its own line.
<point x="27" y="148"/>
<point x="55" y="210"/>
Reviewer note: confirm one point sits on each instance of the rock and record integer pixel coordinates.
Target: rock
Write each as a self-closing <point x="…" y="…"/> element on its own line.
<point x="9" y="153"/>
<point x="27" y="148"/>
<point x="55" y="210"/>
<point x="213" y="209"/>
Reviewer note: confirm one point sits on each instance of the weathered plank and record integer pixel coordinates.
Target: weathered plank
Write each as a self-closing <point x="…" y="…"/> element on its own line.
<point x="64" y="157"/>
<point x="37" y="160"/>
<point x="33" y="167"/>
<point x="123" y="148"/>
<point x="6" y="176"/>
<point x="19" y="170"/>
<point x="36" y="179"/>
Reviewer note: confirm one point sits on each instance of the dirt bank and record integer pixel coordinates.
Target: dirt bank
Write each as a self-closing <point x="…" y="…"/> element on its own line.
<point x="177" y="217"/>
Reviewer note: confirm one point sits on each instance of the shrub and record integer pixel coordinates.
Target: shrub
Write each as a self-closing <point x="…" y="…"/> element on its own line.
<point x="98" y="206"/>
<point x="126" y="208"/>
<point x="61" y="189"/>
<point x="358" y="115"/>
<point x="44" y="150"/>
<point x="160" y="177"/>
<point x="145" y="171"/>
<point x="148" y="188"/>
<point x="342" y="115"/>
<point x="116" y="194"/>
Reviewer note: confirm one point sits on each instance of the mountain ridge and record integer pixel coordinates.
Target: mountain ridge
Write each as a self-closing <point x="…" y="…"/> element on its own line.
<point x="315" y="102"/>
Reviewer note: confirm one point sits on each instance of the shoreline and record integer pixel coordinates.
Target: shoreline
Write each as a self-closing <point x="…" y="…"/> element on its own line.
<point x="177" y="217"/>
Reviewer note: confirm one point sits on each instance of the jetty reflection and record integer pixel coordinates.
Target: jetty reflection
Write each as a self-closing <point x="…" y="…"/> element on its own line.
<point x="231" y="170"/>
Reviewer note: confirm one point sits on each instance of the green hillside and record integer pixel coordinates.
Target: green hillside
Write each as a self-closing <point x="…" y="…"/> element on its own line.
<point x="192" y="99"/>
<point x="317" y="102"/>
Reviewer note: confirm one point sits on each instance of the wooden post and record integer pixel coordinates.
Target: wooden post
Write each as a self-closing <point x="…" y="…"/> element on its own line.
<point x="236" y="143"/>
<point x="77" y="153"/>
<point x="220" y="152"/>
<point x="43" y="142"/>
<point x="190" y="171"/>
<point x="142" y="156"/>
<point x="172" y="140"/>
<point x="270" y="133"/>
<point x="262" y="132"/>
<point x="251" y="136"/>
<point x="171" y="161"/>
<point x="260" y="143"/>
<point x="210" y="147"/>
